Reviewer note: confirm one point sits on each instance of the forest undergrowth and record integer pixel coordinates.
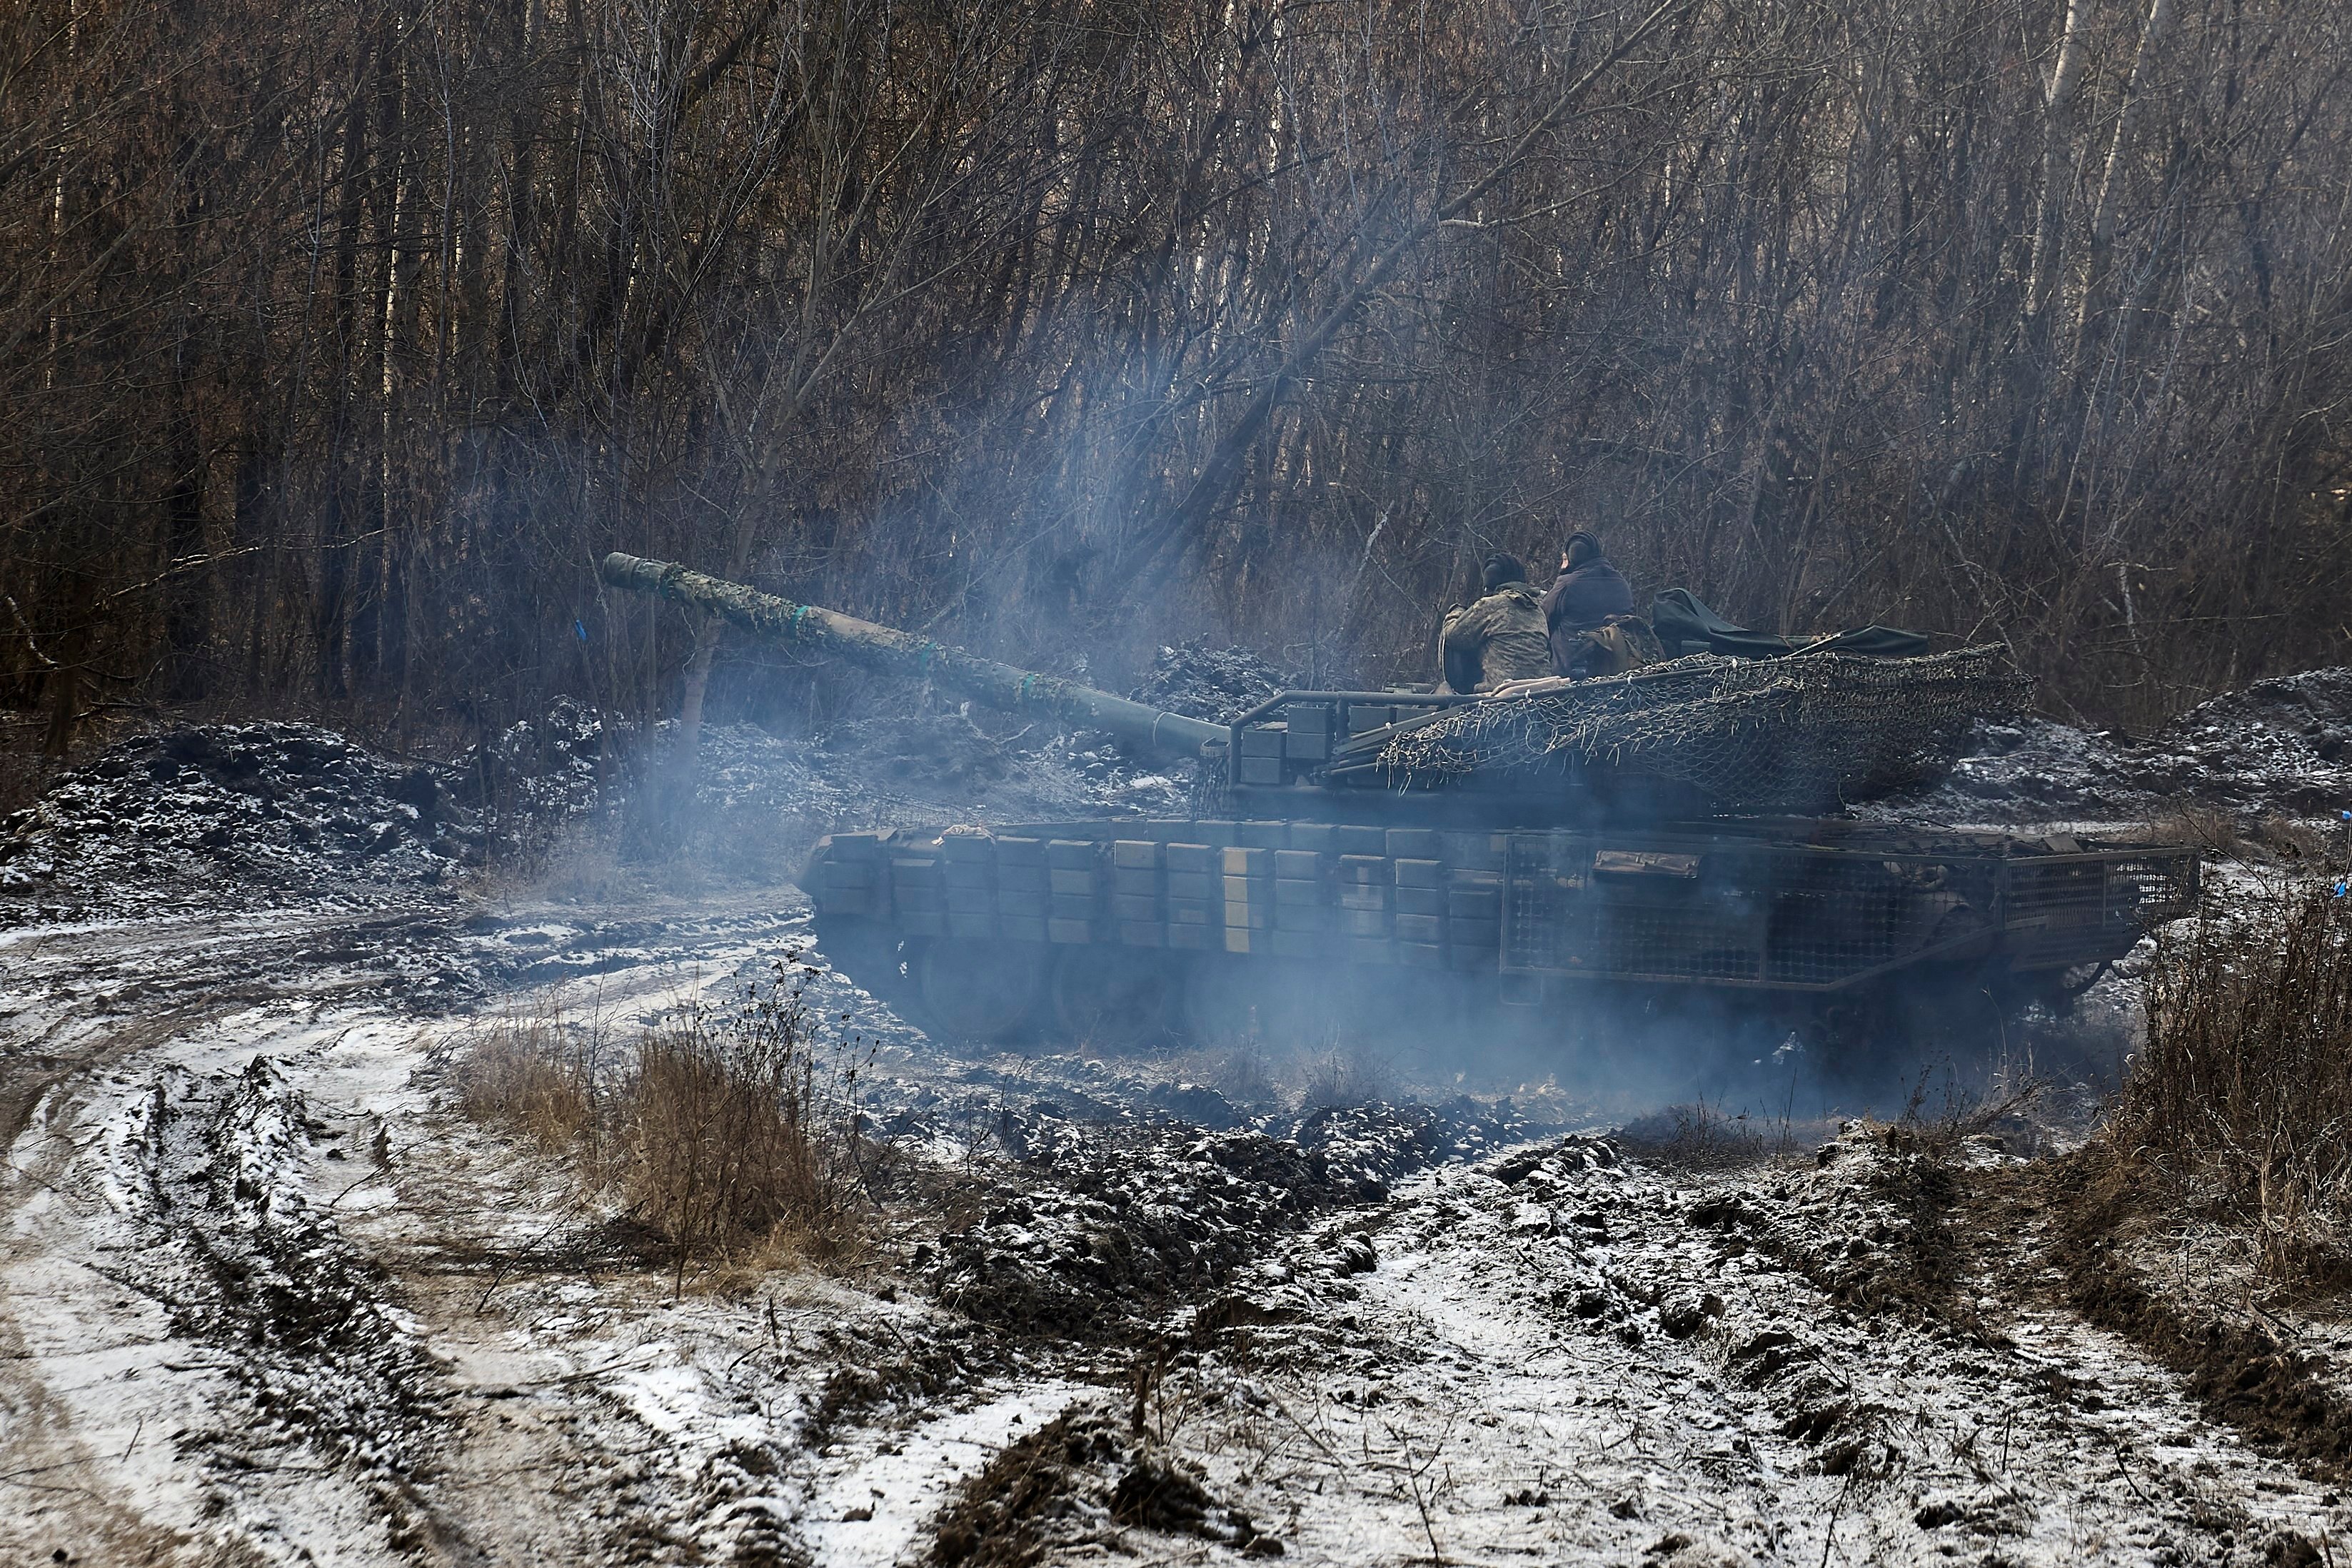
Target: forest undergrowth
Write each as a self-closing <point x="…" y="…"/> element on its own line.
<point x="2237" y="1109"/>
<point x="337" y="346"/>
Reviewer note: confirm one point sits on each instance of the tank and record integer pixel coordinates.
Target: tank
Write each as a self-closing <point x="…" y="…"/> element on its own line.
<point x="1658" y="843"/>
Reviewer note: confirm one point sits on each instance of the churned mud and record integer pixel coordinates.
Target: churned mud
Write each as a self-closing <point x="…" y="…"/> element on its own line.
<point x="269" y="1296"/>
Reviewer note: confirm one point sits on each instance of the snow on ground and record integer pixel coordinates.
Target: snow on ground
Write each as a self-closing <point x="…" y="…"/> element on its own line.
<point x="208" y="818"/>
<point x="2280" y="747"/>
<point x="1714" y="1394"/>
<point x="266" y="1294"/>
<point x="870" y="1507"/>
<point x="267" y="1297"/>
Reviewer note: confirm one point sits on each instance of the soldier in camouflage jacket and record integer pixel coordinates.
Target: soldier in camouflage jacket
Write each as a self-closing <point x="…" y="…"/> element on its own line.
<point x="1501" y="638"/>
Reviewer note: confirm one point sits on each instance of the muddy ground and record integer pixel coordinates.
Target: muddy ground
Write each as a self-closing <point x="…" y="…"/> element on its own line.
<point x="269" y="1296"/>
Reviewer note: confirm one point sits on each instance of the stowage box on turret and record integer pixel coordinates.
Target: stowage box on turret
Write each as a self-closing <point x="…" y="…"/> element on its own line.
<point x="1678" y="831"/>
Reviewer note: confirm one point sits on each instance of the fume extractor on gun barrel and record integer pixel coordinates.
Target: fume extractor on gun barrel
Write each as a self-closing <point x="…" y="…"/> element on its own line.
<point x="1676" y="832"/>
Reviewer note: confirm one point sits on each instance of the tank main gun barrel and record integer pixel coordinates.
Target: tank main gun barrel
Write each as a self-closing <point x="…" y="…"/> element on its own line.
<point x="985" y="680"/>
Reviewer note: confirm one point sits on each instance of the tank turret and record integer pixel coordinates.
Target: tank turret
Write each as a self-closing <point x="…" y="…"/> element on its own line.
<point x="1703" y="735"/>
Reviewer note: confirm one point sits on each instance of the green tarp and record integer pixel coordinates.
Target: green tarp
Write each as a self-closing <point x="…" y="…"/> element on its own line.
<point x="1686" y="625"/>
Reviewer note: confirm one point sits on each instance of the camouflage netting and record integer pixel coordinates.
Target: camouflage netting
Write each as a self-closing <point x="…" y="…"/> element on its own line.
<point x="1800" y="733"/>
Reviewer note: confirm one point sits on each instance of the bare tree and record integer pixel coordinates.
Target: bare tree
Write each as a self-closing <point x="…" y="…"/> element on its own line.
<point x="336" y="344"/>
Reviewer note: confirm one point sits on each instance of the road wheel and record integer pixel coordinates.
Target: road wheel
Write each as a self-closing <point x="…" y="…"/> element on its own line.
<point x="1219" y="1005"/>
<point x="982" y="991"/>
<point x="1959" y="1016"/>
<point x="867" y="952"/>
<point x="1853" y="1041"/>
<point x="1917" y="1035"/>
<point x="1114" y="997"/>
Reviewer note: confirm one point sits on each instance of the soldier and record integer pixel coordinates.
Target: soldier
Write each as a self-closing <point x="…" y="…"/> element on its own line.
<point x="1583" y="599"/>
<point x="1499" y="638"/>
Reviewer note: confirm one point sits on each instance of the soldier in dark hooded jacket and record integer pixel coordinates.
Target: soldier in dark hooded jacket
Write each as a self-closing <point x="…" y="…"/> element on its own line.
<point x="1501" y="638"/>
<point x="1583" y="598"/>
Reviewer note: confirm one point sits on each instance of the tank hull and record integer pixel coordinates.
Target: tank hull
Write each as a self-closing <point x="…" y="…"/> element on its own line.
<point x="1151" y="929"/>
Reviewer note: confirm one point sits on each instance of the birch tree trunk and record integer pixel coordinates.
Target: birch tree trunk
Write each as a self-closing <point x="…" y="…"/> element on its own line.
<point x="2096" y="289"/>
<point x="2057" y="163"/>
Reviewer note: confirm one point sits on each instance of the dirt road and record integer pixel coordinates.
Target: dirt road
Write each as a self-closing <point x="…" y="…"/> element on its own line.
<point x="267" y="1297"/>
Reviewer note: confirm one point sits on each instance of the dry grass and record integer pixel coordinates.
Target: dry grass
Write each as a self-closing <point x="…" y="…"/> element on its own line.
<point x="579" y="868"/>
<point x="736" y="1132"/>
<point x="533" y="1075"/>
<point x="732" y="1136"/>
<point x="1699" y="1137"/>
<point x="1243" y="1074"/>
<point x="1343" y="1074"/>
<point x="2242" y="1098"/>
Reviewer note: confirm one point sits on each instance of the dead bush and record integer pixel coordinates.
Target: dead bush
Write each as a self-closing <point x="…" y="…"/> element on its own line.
<point x="2242" y="1094"/>
<point x="1944" y="1112"/>
<point x="2209" y="827"/>
<point x="1244" y="1075"/>
<point x="2267" y="838"/>
<point x="724" y="1135"/>
<point x="2292" y="842"/>
<point x="736" y="1133"/>
<point x="531" y="1074"/>
<point x="1345" y="1074"/>
<point x="1697" y="1137"/>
